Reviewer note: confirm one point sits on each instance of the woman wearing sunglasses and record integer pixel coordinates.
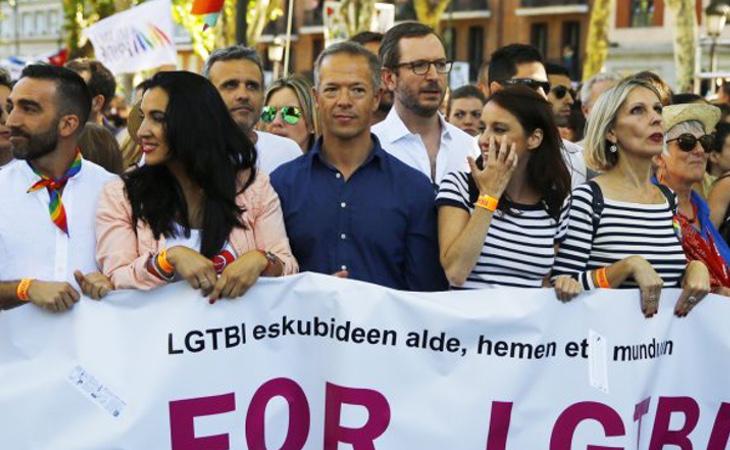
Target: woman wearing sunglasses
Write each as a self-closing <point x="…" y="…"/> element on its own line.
<point x="172" y="219"/>
<point x="290" y="111"/>
<point x="680" y="166"/>
<point x="621" y="231"/>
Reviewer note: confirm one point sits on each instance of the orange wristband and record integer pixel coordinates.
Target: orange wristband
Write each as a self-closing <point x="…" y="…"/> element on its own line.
<point x="487" y="202"/>
<point x="163" y="263"/>
<point x="22" y="290"/>
<point x="602" y="278"/>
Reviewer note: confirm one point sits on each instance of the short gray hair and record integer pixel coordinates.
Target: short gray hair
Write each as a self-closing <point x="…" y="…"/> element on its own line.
<point x="353" y="49"/>
<point x="232" y="53"/>
<point x="689" y="126"/>
<point x="585" y="90"/>
<point x="603" y="119"/>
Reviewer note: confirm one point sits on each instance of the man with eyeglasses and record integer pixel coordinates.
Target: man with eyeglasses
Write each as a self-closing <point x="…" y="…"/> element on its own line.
<point x="238" y="75"/>
<point x="521" y="64"/>
<point x="416" y="70"/>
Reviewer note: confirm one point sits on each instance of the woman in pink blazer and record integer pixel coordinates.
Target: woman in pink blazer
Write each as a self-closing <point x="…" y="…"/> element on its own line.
<point x="197" y="209"/>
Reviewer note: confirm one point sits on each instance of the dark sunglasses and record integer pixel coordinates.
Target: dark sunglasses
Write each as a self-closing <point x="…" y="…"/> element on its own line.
<point x="529" y="82"/>
<point x="289" y="114"/>
<point x="687" y="142"/>
<point x="560" y="91"/>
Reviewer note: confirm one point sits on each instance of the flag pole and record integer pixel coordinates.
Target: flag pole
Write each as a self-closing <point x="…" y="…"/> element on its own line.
<point x="287" y="48"/>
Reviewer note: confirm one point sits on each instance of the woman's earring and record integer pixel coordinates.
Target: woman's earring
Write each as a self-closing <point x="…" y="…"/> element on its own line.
<point x="613" y="148"/>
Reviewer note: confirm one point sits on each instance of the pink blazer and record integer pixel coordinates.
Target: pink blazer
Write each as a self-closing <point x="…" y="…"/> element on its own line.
<point x="122" y="254"/>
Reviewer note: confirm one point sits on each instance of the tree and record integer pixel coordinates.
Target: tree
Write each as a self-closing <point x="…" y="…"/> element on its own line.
<point x="597" y="42"/>
<point x="685" y="42"/>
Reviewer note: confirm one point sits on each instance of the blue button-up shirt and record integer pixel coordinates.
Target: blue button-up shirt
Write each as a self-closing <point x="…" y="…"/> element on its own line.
<point x="380" y="225"/>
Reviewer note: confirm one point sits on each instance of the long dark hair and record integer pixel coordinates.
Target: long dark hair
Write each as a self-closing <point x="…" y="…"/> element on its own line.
<point x="213" y="151"/>
<point x="547" y="172"/>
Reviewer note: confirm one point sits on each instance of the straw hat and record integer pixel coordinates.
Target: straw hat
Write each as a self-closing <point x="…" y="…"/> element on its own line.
<point x="673" y="115"/>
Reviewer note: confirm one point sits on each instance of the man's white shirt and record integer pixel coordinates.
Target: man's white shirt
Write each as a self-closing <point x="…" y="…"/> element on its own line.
<point x="455" y="146"/>
<point x="31" y="245"/>
<point x="273" y="151"/>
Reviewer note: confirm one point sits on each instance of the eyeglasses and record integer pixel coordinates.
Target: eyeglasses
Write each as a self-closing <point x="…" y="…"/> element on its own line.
<point x="529" y="82"/>
<point x="422" y="67"/>
<point x="560" y="91"/>
<point x="289" y="114"/>
<point x="687" y="142"/>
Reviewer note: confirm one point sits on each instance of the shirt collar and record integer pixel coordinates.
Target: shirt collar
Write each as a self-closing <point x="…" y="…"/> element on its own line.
<point x="394" y="128"/>
<point x="377" y="154"/>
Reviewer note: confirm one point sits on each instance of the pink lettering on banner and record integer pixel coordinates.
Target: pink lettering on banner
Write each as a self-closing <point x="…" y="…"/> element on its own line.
<point x="640" y="410"/>
<point x="721" y="430"/>
<point x="360" y="438"/>
<point x="562" y="437"/>
<point x="296" y="435"/>
<point x="182" y="427"/>
<point x="499" y="425"/>
<point x="662" y="435"/>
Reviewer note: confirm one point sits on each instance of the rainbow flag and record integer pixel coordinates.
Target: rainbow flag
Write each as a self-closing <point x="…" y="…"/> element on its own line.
<point x="210" y="8"/>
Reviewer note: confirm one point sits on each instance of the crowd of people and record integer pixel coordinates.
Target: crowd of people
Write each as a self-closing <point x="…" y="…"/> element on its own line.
<point x="526" y="179"/>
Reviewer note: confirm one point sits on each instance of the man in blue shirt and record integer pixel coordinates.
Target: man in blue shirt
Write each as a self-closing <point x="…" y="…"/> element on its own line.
<point x="351" y="208"/>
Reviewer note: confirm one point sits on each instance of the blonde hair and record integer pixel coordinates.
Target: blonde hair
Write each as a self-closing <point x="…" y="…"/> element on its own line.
<point x="303" y="90"/>
<point x="603" y="119"/>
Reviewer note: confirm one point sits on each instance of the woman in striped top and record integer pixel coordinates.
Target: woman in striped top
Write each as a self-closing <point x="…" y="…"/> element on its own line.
<point x="499" y="223"/>
<point x="621" y="231"/>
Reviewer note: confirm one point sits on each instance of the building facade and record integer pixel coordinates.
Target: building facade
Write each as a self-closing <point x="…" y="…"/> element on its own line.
<point x="473" y="29"/>
<point x="31" y="28"/>
<point x="642" y="38"/>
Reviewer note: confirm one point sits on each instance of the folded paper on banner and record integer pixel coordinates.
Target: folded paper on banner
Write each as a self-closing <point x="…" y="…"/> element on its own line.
<point x="317" y="362"/>
<point x="137" y="39"/>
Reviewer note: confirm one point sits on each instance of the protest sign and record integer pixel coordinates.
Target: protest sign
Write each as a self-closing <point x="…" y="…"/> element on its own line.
<point x="318" y="362"/>
<point x="137" y="39"/>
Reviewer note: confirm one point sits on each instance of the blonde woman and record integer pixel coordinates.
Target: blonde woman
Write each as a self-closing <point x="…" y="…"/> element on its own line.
<point x="621" y="230"/>
<point x="290" y="111"/>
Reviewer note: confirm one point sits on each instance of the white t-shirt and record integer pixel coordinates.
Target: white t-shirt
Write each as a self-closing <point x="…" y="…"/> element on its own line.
<point x="274" y="151"/>
<point x="397" y="140"/>
<point x="31" y="245"/>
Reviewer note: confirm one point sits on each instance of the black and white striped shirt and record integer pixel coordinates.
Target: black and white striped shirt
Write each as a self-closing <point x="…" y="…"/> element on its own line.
<point x="519" y="249"/>
<point x="623" y="230"/>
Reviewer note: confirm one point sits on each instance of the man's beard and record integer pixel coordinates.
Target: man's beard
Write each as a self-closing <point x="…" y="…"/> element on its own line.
<point x="410" y="101"/>
<point x="36" y="145"/>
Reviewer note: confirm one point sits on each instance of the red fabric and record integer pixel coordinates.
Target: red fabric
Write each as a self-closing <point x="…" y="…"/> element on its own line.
<point x="206" y="6"/>
<point x="702" y="249"/>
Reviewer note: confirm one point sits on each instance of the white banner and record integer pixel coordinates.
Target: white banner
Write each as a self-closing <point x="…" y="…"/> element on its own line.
<point x="317" y="362"/>
<point x="137" y="39"/>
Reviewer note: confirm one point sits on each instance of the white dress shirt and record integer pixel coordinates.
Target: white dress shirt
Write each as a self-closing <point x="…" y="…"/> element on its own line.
<point x="454" y="147"/>
<point x="31" y="245"/>
<point x="274" y="151"/>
